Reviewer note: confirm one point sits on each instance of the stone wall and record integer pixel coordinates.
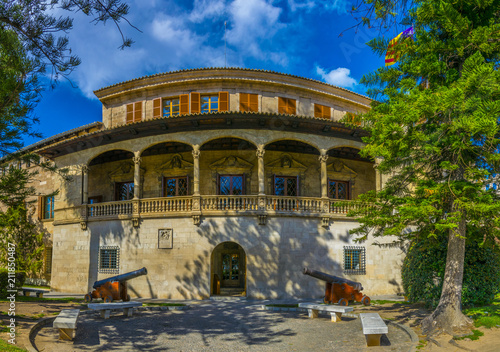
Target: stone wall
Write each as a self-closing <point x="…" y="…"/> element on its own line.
<point x="275" y="256"/>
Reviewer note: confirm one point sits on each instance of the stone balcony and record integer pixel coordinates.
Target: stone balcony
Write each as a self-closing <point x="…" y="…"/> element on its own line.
<point x="198" y="206"/>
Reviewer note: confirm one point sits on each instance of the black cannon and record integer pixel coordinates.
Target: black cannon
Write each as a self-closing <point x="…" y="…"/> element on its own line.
<point x="114" y="288"/>
<point x="339" y="290"/>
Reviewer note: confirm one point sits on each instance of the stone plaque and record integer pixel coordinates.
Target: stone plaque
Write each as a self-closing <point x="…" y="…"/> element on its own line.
<point x="165" y="238"/>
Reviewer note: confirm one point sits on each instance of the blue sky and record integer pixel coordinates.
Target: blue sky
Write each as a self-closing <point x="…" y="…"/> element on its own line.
<point x="299" y="37"/>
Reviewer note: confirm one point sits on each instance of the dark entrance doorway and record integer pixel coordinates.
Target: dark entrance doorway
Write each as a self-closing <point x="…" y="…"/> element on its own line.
<point x="228" y="266"/>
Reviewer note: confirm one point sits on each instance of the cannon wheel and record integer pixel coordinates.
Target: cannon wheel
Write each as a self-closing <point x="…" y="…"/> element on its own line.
<point x="342" y="302"/>
<point x="366" y="300"/>
<point x="88" y="297"/>
<point x="108" y="299"/>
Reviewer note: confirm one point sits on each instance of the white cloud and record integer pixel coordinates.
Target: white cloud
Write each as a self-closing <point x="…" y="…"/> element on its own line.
<point x="330" y="5"/>
<point x="253" y="25"/>
<point x="207" y="9"/>
<point x="338" y="77"/>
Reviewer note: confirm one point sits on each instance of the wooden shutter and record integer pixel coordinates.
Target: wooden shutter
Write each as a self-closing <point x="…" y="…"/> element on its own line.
<point x="195" y="103"/>
<point x="318" y="110"/>
<point x="292" y="109"/>
<point x="327" y="113"/>
<point x="138" y="111"/>
<point x="282" y="105"/>
<point x="130" y="113"/>
<point x="40" y="207"/>
<point x="157" y="108"/>
<point x="184" y="104"/>
<point x="223" y="101"/>
<point x="253" y="102"/>
<point x="244" y="104"/>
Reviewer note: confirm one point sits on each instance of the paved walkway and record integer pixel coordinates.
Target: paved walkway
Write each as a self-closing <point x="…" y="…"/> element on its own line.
<point x="219" y="326"/>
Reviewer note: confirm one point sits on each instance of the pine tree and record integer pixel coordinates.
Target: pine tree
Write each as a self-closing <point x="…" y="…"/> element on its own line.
<point x="33" y="44"/>
<point x="434" y="130"/>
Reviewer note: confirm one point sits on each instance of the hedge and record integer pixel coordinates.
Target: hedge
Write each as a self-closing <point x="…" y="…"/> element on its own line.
<point x="424" y="266"/>
<point x="4" y="282"/>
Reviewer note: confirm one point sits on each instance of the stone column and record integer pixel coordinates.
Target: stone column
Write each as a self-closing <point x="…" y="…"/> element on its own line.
<point x="85" y="183"/>
<point x="260" y="158"/>
<point x="137" y="174"/>
<point x="325" y="216"/>
<point x="85" y="197"/>
<point x="324" y="176"/>
<point x="196" y="208"/>
<point x="196" y="170"/>
<point x="262" y="216"/>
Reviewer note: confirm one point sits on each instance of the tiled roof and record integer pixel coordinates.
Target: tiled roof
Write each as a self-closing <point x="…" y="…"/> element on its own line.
<point x="229" y="68"/>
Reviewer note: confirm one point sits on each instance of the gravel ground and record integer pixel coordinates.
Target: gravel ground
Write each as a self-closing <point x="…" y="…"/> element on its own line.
<point x="218" y="326"/>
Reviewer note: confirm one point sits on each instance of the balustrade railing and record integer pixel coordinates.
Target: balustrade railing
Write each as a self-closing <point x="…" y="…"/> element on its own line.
<point x="221" y="203"/>
<point x="110" y="209"/>
<point x="229" y="203"/>
<point x="293" y="204"/>
<point x="166" y="205"/>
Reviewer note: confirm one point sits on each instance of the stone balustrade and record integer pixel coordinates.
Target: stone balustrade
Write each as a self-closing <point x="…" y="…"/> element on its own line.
<point x="234" y="203"/>
<point x="109" y="209"/>
<point x="293" y="204"/>
<point x="166" y="205"/>
<point x="210" y="204"/>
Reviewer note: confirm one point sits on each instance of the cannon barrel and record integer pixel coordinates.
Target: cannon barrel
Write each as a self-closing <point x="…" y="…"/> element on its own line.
<point x="122" y="277"/>
<point x="332" y="279"/>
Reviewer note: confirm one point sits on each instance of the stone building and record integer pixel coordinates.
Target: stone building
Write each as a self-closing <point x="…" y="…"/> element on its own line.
<point x="219" y="181"/>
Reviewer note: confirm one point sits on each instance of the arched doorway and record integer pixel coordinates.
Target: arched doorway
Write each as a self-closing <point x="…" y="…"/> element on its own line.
<point x="228" y="270"/>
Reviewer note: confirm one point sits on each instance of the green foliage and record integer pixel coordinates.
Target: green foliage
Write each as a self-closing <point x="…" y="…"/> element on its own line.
<point x="8" y="347"/>
<point x="5" y="284"/>
<point x="476" y="334"/>
<point x="18" y="229"/>
<point x="424" y="268"/>
<point x="487" y="316"/>
<point x="434" y="131"/>
<point x="43" y="34"/>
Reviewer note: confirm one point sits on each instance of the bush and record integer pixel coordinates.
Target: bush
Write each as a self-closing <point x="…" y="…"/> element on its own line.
<point x="424" y="266"/>
<point x="4" y="282"/>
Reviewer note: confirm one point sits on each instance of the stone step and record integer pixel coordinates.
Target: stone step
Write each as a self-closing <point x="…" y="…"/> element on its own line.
<point x="227" y="298"/>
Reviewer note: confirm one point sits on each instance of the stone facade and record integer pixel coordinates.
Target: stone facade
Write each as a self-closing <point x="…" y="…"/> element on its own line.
<point x="256" y="239"/>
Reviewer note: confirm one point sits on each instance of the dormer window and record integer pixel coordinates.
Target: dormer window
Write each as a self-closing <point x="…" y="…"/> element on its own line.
<point x="171" y="106"/>
<point x="287" y="106"/>
<point x="209" y="103"/>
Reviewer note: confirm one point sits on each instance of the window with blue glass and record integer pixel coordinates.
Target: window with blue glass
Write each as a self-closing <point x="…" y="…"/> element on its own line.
<point x="48" y="207"/>
<point x="338" y="189"/>
<point x="209" y="103"/>
<point x="231" y="185"/>
<point x="354" y="260"/>
<point x="109" y="259"/>
<point x="286" y="186"/>
<point x="175" y="186"/>
<point x="171" y="106"/>
<point x="124" y="190"/>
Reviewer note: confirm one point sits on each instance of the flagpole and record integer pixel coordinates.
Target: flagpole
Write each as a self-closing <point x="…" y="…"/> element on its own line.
<point x="225" y="44"/>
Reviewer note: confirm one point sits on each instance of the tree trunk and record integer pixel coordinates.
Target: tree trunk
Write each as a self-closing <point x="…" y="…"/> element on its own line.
<point x="448" y="316"/>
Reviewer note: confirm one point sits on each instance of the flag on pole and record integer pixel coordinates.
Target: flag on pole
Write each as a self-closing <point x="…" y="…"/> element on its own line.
<point x="391" y="56"/>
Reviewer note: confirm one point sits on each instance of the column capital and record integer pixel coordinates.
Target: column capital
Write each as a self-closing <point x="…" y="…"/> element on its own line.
<point x="323" y="158"/>
<point x="196" y="151"/>
<point x="137" y="159"/>
<point x="85" y="169"/>
<point x="260" y="151"/>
